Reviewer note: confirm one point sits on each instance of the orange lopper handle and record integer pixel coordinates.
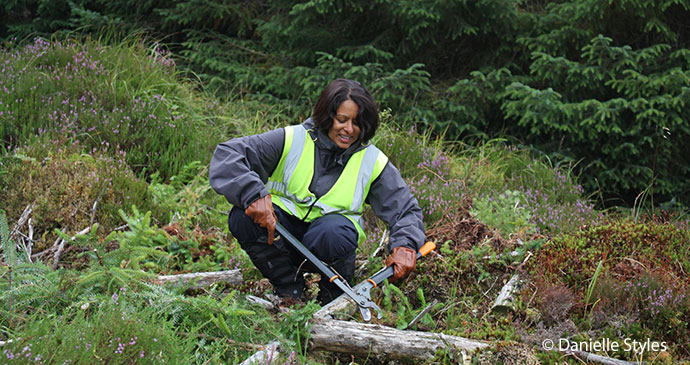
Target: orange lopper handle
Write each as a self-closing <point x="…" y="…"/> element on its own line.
<point x="428" y="247"/>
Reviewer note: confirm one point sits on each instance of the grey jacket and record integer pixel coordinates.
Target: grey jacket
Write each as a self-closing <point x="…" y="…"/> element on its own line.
<point x="241" y="166"/>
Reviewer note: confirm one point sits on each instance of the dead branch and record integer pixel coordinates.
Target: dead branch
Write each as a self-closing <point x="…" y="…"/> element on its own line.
<point x="260" y="301"/>
<point x="422" y="313"/>
<point x="202" y="279"/>
<point x="31" y="240"/>
<point x="3" y="343"/>
<point x="505" y="300"/>
<point x="265" y="356"/>
<point x="22" y="219"/>
<point x="342" y="304"/>
<point x="61" y="246"/>
<point x="93" y="210"/>
<point x="58" y="252"/>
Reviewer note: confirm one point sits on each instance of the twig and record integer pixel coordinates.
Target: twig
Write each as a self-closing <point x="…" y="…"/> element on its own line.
<point x="529" y="254"/>
<point x="22" y="246"/>
<point x="93" y="210"/>
<point x="491" y="287"/>
<point x="384" y="238"/>
<point x="434" y="173"/>
<point x="56" y="257"/>
<point x="590" y="357"/>
<point x="22" y="219"/>
<point x="421" y="314"/>
<point x="58" y="252"/>
<point x="31" y="240"/>
<point x="3" y="343"/>
<point x="265" y="356"/>
<point x="16" y="230"/>
<point x="262" y="302"/>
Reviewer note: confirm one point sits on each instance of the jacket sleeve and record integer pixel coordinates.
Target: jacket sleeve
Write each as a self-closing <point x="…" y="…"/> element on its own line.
<point x="392" y="201"/>
<point x="241" y="166"/>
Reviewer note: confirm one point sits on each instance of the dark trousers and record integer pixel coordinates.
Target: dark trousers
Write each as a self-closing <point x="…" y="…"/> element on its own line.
<point x="332" y="238"/>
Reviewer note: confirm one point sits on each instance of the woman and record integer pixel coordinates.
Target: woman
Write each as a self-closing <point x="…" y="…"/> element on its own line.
<point x="314" y="179"/>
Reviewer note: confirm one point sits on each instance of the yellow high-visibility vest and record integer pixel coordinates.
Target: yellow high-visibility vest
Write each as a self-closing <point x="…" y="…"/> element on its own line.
<point x="289" y="183"/>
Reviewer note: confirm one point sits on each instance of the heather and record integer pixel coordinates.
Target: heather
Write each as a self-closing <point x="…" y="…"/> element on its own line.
<point x="61" y="94"/>
<point x="113" y="139"/>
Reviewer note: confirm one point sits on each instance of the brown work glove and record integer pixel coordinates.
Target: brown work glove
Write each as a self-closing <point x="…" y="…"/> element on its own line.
<point x="403" y="260"/>
<point x="261" y="211"/>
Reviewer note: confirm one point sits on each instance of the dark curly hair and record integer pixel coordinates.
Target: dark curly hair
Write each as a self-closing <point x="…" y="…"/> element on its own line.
<point x="335" y="94"/>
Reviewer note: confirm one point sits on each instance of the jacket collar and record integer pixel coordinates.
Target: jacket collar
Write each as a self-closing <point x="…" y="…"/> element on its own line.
<point x="323" y="142"/>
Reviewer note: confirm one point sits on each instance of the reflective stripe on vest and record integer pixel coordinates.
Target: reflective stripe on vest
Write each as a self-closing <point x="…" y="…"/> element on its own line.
<point x="289" y="183"/>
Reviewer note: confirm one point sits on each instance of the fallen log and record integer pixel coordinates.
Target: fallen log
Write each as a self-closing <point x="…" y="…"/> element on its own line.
<point x="202" y="279"/>
<point x="383" y="342"/>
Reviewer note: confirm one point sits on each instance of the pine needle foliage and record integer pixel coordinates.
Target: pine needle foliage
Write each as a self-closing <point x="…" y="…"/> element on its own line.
<point x="123" y="266"/>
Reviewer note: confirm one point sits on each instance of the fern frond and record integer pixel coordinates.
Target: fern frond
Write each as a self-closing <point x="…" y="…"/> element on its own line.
<point x="9" y="250"/>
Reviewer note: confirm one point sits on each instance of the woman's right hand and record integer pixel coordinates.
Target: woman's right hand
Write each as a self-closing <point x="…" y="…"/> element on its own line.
<point x="404" y="260"/>
<point x="261" y="212"/>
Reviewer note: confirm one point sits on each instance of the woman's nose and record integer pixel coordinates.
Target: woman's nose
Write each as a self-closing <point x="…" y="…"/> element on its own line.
<point x="348" y="127"/>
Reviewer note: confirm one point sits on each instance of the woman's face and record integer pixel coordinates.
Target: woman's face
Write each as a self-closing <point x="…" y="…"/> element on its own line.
<point x="344" y="131"/>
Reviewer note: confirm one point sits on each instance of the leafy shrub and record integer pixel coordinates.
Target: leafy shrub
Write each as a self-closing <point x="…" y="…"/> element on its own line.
<point x="198" y="251"/>
<point x="189" y="198"/>
<point x="545" y="199"/>
<point x="572" y="258"/>
<point x="506" y="212"/>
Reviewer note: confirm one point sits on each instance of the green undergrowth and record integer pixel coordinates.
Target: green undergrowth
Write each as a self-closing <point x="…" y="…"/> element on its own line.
<point x="71" y="191"/>
<point x="493" y="210"/>
<point x="618" y="279"/>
